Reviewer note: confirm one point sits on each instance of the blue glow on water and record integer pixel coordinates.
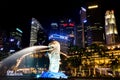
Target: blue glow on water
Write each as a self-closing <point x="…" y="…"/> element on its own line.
<point x="57" y="75"/>
<point x="38" y="76"/>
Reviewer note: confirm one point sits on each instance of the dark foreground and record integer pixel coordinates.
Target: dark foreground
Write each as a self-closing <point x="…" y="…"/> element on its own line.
<point x="70" y="78"/>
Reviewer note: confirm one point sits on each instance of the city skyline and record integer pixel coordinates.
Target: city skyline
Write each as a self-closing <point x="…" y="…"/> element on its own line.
<point x="83" y="36"/>
<point x="19" y="14"/>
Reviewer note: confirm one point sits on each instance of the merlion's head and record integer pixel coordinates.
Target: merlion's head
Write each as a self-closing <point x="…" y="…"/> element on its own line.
<point x="55" y="45"/>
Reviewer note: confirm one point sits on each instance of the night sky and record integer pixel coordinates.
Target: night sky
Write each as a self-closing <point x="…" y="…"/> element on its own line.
<point x="18" y="13"/>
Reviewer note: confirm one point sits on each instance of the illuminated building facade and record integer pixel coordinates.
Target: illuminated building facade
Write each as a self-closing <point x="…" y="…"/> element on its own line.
<point x="83" y="21"/>
<point x="95" y="34"/>
<point x="15" y="40"/>
<point x="10" y="42"/>
<point x="78" y="38"/>
<point x="54" y="28"/>
<point x="35" y="26"/>
<point x="42" y="37"/>
<point x="67" y="28"/>
<point x="4" y="45"/>
<point x="63" y="32"/>
<point x="93" y="27"/>
<point x="110" y="27"/>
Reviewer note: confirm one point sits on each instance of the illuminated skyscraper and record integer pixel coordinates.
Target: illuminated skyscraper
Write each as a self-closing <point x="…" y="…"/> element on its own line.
<point x="110" y="27"/>
<point x="91" y="25"/>
<point x="35" y="26"/>
<point x="67" y="27"/>
<point x="83" y="21"/>
<point x="54" y="28"/>
<point x="63" y="32"/>
<point x="15" y="40"/>
<point x="79" y="36"/>
<point x="3" y="40"/>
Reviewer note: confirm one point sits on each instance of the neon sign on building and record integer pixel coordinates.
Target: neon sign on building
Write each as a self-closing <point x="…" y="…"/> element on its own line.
<point x="68" y="24"/>
<point x="56" y="36"/>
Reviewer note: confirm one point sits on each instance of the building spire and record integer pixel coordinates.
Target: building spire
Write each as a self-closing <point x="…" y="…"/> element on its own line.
<point x="110" y="27"/>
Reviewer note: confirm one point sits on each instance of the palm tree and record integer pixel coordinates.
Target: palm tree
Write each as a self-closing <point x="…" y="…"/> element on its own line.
<point x="74" y="62"/>
<point x="115" y="65"/>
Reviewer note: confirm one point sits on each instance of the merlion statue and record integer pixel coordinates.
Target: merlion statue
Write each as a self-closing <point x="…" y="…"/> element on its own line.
<point x="54" y="56"/>
<point x="54" y="61"/>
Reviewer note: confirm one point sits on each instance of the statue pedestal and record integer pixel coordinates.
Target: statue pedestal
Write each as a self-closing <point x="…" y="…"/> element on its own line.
<point x="49" y="74"/>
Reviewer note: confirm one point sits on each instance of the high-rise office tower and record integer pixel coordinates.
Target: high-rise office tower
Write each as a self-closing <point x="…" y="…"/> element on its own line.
<point x="15" y="40"/>
<point x="35" y="26"/>
<point x="3" y="39"/>
<point x="42" y="37"/>
<point x="78" y="37"/>
<point x="67" y="28"/>
<point x="93" y="25"/>
<point x="54" y="28"/>
<point x="63" y="32"/>
<point x="83" y="21"/>
<point x="110" y="27"/>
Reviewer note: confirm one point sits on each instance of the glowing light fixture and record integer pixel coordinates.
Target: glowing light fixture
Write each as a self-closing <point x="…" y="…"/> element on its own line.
<point x="85" y="21"/>
<point x="12" y="40"/>
<point x="19" y="30"/>
<point x="71" y="24"/>
<point x="83" y="9"/>
<point x="65" y="24"/>
<point x="93" y="6"/>
<point x="54" y="24"/>
<point x="12" y="50"/>
<point x="1" y="49"/>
